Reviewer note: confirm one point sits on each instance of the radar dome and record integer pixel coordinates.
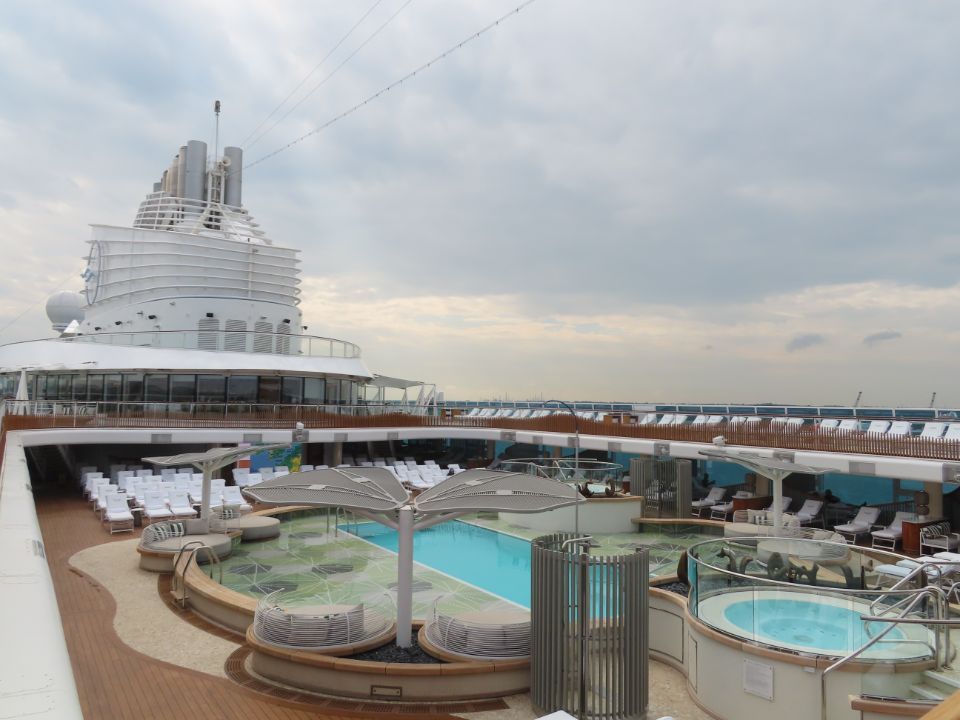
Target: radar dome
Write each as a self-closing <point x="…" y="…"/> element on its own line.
<point x="64" y="307"/>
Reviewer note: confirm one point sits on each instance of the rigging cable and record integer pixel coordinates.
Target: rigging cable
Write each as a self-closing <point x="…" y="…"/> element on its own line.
<point x="309" y="74"/>
<point x="332" y="73"/>
<point x="391" y="86"/>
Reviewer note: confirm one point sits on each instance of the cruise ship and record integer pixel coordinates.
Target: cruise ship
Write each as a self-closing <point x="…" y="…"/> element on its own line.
<point x="798" y="561"/>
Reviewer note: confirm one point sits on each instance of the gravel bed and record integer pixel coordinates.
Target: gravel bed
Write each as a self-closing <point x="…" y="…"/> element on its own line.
<point x="676" y="587"/>
<point x="393" y="654"/>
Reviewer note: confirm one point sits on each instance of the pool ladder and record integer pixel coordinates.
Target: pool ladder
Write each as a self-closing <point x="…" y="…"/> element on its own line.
<point x="190" y="550"/>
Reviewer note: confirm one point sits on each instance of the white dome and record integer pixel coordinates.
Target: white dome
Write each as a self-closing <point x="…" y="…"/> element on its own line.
<point x="64" y="307"/>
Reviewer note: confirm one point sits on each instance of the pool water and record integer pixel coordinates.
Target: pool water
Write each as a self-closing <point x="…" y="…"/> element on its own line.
<point x="804" y="623"/>
<point x="496" y="562"/>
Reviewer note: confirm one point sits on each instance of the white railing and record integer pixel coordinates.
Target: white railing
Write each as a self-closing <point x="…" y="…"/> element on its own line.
<point x="246" y="341"/>
<point x="162" y="212"/>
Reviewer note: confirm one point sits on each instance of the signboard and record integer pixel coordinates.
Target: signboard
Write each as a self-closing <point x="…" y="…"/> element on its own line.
<point x="758" y="679"/>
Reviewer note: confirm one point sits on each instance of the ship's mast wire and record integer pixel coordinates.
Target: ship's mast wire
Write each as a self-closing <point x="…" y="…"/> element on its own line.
<point x="392" y="85"/>
<point x="332" y="73"/>
<point x="310" y="74"/>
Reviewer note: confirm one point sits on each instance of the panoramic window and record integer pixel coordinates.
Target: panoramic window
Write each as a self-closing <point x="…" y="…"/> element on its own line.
<point x="291" y="390"/>
<point x="269" y="390"/>
<point x="156" y="388"/>
<point x="211" y="388"/>
<point x="133" y="387"/>
<point x="95" y="387"/>
<point x="183" y="388"/>
<point x="242" y="388"/>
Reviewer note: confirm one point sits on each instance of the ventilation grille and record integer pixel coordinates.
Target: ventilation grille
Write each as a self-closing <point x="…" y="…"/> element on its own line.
<point x="283" y="343"/>
<point x="208" y="329"/>
<point x="263" y="337"/>
<point x="235" y="338"/>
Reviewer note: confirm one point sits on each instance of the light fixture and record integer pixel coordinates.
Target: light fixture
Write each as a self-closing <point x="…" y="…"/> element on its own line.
<point x="209" y="315"/>
<point x="118" y="322"/>
<point x="151" y="317"/>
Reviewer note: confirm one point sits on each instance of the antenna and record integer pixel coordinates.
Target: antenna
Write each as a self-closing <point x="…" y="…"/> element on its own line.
<point x="933" y="398"/>
<point x="856" y="402"/>
<point x="216" y="132"/>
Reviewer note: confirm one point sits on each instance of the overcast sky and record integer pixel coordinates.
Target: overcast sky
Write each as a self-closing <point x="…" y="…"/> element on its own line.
<point x="637" y="200"/>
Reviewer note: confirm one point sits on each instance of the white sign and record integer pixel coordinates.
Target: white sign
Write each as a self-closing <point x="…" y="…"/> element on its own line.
<point x="758" y="679"/>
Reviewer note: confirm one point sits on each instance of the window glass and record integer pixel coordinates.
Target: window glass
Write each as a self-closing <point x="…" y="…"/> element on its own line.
<point x="345" y="392"/>
<point x="79" y="387"/>
<point x="211" y="388"/>
<point x="313" y="391"/>
<point x="291" y="390"/>
<point x="63" y="387"/>
<point x="95" y="387"/>
<point x="242" y="388"/>
<point x="111" y="388"/>
<point x="333" y="392"/>
<point x="156" y="388"/>
<point x="41" y="387"/>
<point x="183" y="388"/>
<point x="133" y="387"/>
<point x="269" y="390"/>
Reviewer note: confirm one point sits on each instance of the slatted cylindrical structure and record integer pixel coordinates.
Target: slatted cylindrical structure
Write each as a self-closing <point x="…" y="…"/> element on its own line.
<point x="589" y="635"/>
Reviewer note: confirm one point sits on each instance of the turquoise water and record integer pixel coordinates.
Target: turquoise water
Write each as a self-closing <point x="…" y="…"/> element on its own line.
<point x="492" y="561"/>
<point x="804" y="623"/>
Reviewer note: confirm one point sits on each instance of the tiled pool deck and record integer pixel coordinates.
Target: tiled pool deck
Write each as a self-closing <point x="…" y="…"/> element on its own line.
<point x="340" y="568"/>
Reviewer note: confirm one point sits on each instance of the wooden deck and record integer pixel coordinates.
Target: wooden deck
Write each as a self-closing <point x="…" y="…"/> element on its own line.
<point x="115" y="682"/>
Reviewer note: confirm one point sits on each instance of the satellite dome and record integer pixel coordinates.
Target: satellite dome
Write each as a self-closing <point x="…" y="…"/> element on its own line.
<point x="64" y="307"/>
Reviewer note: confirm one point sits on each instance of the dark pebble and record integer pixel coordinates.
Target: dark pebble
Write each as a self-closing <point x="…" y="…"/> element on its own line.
<point x="676" y="587"/>
<point x="391" y="653"/>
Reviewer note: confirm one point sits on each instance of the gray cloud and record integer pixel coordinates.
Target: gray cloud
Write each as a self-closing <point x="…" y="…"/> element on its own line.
<point x="804" y="341"/>
<point x="884" y="336"/>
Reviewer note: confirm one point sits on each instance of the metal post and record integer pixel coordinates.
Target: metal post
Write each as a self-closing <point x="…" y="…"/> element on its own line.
<point x="205" y="495"/>
<point x="405" y="576"/>
<point x="584" y="625"/>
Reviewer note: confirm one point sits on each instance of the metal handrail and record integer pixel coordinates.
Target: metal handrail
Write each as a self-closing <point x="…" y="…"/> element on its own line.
<point x="920" y="594"/>
<point x="190" y="550"/>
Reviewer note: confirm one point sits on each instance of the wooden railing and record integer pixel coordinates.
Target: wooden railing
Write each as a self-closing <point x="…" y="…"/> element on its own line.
<point x="192" y="415"/>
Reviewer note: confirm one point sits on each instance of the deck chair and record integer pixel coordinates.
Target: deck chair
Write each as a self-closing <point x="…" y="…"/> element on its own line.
<point x="117" y="515"/>
<point x="666" y="419"/>
<point x="306" y="468"/>
<point x="721" y="510"/>
<point x="715" y="495"/>
<point x="849" y="425"/>
<point x="785" y="503"/>
<point x="180" y="504"/>
<point x="862" y="524"/>
<point x="648" y="419"/>
<point x="938" y="538"/>
<point x="810" y="512"/>
<point x="154" y="506"/>
<point x="953" y="432"/>
<point x="933" y="430"/>
<point x="233" y="498"/>
<point x="715" y="420"/>
<point x="105" y="491"/>
<point x="888" y="538"/>
<point x="900" y="428"/>
<point x="828" y="425"/>
<point x="878" y="427"/>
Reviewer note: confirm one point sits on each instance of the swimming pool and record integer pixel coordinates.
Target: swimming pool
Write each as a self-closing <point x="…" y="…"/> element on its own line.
<point x="493" y="561"/>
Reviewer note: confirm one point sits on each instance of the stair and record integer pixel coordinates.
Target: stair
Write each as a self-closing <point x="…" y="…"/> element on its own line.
<point x="937" y="685"/>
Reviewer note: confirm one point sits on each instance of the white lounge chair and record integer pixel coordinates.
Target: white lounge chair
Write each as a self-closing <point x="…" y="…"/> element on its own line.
<point x="785" y="503"/>
<point x="933" y="430"/>
<point x="938" y="538"/>
<point x="849" y="425"/>
<point x="828" y="425"/>
<point x="900" y="428"/>
<point x="306" y="468"/>
<point x="810" y="511"/>
<point x="648" y="419"/>
<point x="862" y="524"/>
<point x="953" y="432"/>
<point x="154" y="506"/>
<point x="233" y="498"/>
<point x="878" y="427"/>
<point x="713" y="497"/>
<point x="888" y="538"/>
<point x="117" y="515"/>
<point x="715" y="420"/>
<point x="666" y="419"/>
<point x="180" y="506"/>
<point x="721" y="510"/>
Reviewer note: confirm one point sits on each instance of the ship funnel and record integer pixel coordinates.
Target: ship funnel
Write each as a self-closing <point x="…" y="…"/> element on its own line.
<point x="233" y="182"/>
<point x="196" y="171"/>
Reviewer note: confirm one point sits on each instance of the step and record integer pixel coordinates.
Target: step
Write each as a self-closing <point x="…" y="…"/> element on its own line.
<point x="927" y="692"/>
<point x="949" y="681"/>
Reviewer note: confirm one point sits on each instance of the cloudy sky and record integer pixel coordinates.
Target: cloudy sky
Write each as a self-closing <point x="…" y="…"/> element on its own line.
<point x="621" y="199"/>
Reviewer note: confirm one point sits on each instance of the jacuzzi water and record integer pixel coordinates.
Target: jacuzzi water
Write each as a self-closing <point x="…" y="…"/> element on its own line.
<point x="804" y="624"/>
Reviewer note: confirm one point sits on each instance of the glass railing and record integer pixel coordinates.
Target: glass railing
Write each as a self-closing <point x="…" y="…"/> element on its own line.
<point x="245" y="341"/>
<point x="871" y="612"/>
<point x="600" y="474"/>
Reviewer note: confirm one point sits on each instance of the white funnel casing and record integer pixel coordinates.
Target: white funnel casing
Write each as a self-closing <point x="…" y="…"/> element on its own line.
<point x="196" y="173"/>
<point x="233" y="180"/>
<point x="181" y="179"/>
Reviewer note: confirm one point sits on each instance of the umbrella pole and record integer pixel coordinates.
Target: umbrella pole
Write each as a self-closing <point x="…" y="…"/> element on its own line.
<point x="405" y="577"/>
<point x="205" y="495"/>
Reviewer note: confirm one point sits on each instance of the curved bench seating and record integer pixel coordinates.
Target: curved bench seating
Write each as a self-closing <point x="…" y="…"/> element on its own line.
<point x="319" y="627"/>
<point x="160" y="542"/>
<point x="482" y="635"/>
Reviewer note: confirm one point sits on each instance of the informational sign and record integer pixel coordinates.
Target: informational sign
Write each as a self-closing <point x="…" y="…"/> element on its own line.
<point x="288" y="457"/>
<point x="758" y="679"/>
